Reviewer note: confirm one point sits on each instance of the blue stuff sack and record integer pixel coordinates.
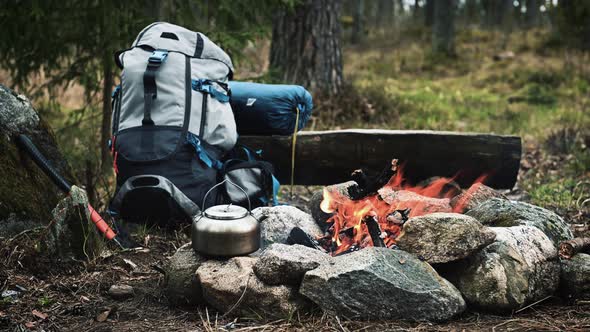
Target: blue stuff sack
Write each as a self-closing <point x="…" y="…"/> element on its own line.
<point x="269" y="109"/>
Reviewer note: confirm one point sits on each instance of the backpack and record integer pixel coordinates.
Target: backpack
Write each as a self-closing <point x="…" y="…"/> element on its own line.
<point x="172" y="124"/>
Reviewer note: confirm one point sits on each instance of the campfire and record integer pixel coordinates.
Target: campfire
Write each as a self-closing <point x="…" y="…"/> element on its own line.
<point x="372" y="214"/>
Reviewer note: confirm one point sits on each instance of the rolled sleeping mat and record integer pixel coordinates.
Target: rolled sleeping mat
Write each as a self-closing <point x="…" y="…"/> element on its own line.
<point x="269" y="109"/>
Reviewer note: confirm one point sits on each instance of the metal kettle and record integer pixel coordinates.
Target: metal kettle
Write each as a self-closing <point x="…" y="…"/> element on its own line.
<point x="225" y="230"/>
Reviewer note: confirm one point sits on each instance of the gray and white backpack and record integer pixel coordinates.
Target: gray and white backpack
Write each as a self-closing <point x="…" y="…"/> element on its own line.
<point x="172" y="122"/>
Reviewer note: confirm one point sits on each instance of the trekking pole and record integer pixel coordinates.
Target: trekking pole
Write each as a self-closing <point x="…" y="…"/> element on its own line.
<point x="25" y="143"/>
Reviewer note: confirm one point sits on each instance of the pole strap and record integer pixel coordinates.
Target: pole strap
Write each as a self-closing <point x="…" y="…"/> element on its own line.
<point x="293" y="145"/>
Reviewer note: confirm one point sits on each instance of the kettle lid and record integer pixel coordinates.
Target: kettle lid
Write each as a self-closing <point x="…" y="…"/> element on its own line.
<point x="226" y="212"/>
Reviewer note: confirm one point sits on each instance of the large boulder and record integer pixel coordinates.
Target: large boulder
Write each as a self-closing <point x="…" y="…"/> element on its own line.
<point x="181" y="286"/>
<point x="520" y="267"/>
<point x="380" y="283"/>
<point x="443" y="237"/>
<point x="282" y="264"/>
<point x="27" y="196"/>
<point x="575" y="277"/>
<point x="278" y="221"/>
<point x="232" y="287"/>
<point x="504" y="213"/>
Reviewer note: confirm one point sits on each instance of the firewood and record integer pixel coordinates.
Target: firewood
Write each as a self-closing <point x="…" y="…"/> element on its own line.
<point x="568" y="249"/>
<point x="328" y="157"/>
<point x="369" y="185"/>
<point x="299" y="236"/>
<point x="374" y="231"/>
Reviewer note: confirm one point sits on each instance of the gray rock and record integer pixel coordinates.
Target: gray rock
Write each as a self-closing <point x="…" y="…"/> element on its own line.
<point x="520" y="267"/>
<point x="232" y="286"/>
<point x="503" y="213"/>
<point x="472" y="197"/>
<point x="71" y="234"/>
<point x="181" y="285"/>
<point x="575" y="277"/>
<point x="278" y="221"/>
<point x="121" y="292"/>
<point x="443" y="237"/>
<point x="16" y="113"/>
<point x="282" y="264"/>
<point x="380" y="283"/>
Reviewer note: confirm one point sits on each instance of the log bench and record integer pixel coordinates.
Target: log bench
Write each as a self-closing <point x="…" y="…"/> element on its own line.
<point x="328" y="157"/>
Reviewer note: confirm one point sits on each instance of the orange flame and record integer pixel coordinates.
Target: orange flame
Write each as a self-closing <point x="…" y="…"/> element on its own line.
<point x="348" y="228"/>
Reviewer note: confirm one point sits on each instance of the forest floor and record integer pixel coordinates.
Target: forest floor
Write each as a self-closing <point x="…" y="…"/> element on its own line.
<point x="73" y="296"/>
<point x="538" y="92"/>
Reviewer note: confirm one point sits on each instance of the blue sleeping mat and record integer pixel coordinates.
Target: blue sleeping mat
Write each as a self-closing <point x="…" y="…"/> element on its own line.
<point x="269" y="109"/>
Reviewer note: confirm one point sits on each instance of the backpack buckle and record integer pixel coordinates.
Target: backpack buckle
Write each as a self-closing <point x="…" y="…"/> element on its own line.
<point x="158" y="57"/>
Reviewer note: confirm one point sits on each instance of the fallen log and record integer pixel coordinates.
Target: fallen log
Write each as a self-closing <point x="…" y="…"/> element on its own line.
<point x="570" y="248"/>
<point x="327" y="157"/>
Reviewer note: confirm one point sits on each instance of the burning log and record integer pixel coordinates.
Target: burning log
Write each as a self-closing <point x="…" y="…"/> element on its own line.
<point x="369" y="186"/>
<point x="299" y="236"/>
<point x="327" y="157"/>
<point x="375" y="231"/>
<point x="568" y="249"/>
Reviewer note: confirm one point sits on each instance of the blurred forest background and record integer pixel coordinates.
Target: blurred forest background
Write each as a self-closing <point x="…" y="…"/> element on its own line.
<point x="503" y="66"/>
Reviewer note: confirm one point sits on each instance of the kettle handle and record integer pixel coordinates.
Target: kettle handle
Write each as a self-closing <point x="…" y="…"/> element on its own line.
<point x="222" y="182"/>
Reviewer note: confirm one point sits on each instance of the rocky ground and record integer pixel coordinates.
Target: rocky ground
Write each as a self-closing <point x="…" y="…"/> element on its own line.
<point x="79" y="296"/>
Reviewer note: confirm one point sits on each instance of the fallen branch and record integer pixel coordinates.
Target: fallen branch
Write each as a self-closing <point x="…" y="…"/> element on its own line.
<point x="569" y="249"/>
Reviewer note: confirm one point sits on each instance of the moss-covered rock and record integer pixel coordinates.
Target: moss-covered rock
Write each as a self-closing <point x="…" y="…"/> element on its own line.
<point x="71" y="234"/>
<point x="27" y="196"/>
<point x="575" y="277"/>
<point x="504" y="213"/>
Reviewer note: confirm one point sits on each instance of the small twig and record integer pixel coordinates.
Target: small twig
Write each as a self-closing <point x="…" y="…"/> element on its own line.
<point x="532" y="304"/>
<point x="340" y="324"/>
<point x="239" y="300"/>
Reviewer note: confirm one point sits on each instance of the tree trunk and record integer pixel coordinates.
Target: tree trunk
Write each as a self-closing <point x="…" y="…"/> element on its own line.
<point x="429" y="13"/>
<point x="305" y="46"/>
<point x="471" y="11"/>
<point x="385" y="15"/>
<point x="443" y="32"/>
<point x="532" y="13"/>
<point x="358" y="26"/>
<point x="416" y="9"/>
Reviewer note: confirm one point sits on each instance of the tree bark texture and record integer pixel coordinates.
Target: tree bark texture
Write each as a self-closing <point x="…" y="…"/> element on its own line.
<point x="443" y="32"/>
<point x="305" y="46"/>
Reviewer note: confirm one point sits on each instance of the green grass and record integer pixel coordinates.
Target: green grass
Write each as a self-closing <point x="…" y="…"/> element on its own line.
<point x="409" y="88"/>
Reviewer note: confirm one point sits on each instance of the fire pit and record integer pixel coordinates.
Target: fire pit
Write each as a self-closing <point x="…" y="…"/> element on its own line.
<point x="382" y="248"/>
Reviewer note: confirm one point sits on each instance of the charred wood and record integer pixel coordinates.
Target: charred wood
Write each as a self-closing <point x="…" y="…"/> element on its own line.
<point x="374" y="231"/>
<point x="299" y="236"/>
<point x="367" y="185"/>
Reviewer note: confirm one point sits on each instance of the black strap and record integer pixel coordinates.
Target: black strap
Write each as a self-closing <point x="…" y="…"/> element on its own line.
<point x="150" y="91"/>
<point x="199" y="46"/>
<point x="203" y="115"/>
<point x="187" y="96"/>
